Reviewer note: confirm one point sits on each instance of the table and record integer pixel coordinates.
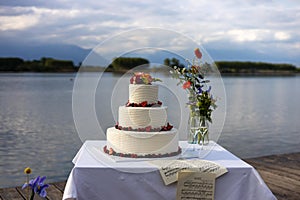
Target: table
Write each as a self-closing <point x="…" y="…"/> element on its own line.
<point x="96" y="176"/>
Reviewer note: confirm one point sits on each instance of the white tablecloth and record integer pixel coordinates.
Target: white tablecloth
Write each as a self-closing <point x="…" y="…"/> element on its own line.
<point x="96" y="176"/>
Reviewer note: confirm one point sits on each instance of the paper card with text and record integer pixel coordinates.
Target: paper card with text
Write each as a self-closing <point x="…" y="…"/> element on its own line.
<point x="195" y="185"/>
<point x="169" y="168"/>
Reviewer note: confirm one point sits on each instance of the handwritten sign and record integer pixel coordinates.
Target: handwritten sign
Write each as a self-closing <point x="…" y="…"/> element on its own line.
<point x="170" y="168"/>
<point x="195" y="186"/>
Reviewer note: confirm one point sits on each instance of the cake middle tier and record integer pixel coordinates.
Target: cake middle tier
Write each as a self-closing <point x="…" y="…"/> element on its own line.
<point x="142" y="117"/>
<point x="139" y="93"/>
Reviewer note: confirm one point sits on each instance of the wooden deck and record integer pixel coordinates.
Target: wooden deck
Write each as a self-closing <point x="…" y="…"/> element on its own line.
<point x="280" y="172"/>
<point x="54" y="192"/>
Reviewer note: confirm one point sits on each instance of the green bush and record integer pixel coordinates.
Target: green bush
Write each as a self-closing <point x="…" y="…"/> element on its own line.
<point x="127" y="63"/>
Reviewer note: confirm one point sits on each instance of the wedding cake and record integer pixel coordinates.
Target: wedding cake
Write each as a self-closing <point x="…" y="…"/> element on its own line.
<point x="142" y="130"/>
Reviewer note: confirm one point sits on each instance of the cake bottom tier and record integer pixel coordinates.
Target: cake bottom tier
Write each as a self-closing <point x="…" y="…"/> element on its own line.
<point x="157" y="144"/>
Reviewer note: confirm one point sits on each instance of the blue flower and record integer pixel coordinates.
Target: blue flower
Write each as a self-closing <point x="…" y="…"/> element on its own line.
<point x="200" y="89"/>
<point x="209" y="89"/>
<point x="37" y="185"/>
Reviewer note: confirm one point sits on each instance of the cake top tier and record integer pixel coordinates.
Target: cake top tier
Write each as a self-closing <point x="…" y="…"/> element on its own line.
<point x="142" y="78"/>
<point x="139" y="93"/>
<point x="142" y="92"/>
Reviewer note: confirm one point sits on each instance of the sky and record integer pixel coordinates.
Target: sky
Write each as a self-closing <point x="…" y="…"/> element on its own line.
<point x="240" y="30"/>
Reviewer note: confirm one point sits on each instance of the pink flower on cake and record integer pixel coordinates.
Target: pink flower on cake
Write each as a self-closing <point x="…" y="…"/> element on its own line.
<point x="142" y="78"/>
<point x="147" y="78"/>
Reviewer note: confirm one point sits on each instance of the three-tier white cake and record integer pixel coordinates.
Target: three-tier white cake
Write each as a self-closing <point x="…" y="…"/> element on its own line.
<point x="142" y="130"/>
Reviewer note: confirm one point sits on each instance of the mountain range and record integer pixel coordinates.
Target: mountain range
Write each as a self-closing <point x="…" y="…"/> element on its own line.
<point x="77" y="54"/>
<point x="37" y="51"/>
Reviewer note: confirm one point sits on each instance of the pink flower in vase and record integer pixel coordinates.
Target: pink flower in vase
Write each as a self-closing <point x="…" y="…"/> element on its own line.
<point x="198" y="53"/>
<point x="186" y="85"/>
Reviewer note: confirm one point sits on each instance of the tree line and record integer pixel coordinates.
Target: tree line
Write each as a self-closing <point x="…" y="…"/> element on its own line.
<point x="254" y="67"/>
<point x="119" y="64"/>
<point x="42" y="65"/>
<point x="123" y="64"/>
<point x="238" y="67"/>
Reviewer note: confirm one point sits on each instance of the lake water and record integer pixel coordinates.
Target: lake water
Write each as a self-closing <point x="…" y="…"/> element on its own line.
<point x="37" y="127"/>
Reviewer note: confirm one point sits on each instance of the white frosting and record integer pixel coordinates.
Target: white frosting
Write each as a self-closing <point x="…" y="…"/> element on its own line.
<point x="142" y="143"/>
<point x="141" y="117"/>
<point x="140" y="92"/>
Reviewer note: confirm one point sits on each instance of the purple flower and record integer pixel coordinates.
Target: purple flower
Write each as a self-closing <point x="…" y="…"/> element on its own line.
<point x="209" y="89"/>
<point x="200" y="90"/>
<point x="37" y="185"/>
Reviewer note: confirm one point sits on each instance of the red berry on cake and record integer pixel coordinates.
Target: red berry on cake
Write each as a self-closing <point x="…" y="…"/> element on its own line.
<point x="148" y="128"/>
<point x="144" y="104"/>
<point x="169" y="127"/>
<point x="111" y="151"/>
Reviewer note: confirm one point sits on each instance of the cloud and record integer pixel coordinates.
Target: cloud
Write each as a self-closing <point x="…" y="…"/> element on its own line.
<point x="242" y="24"/>
<point x="17" y="22"/>
<point x="36" y="3"/>
<point x="281" y="35"/>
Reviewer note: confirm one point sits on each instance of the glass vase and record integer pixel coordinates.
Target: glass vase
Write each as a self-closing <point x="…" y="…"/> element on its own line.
<point x="193" y="127"/>
<point x="203" y="136"/>
<point x="198" y="130"/>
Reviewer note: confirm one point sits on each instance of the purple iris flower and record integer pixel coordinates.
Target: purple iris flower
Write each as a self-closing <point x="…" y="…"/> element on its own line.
<point x="209" y="88"/>
<point x="200" y="90"/>
<point x="38" y="186"/>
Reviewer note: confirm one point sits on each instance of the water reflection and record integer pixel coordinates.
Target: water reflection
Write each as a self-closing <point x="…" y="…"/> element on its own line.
<point x="262" y="115"/>
<point x="37" y="127"/>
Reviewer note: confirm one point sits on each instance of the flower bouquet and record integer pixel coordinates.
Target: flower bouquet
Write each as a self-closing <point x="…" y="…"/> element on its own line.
<point x="200" y="100"/>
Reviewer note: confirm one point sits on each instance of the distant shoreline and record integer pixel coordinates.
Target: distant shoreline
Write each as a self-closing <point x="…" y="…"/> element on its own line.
<point x="262" y="74"/>
<point x="222" y="74"/>
<point x="225" y="74"/>
<point x="122" y="65"/>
